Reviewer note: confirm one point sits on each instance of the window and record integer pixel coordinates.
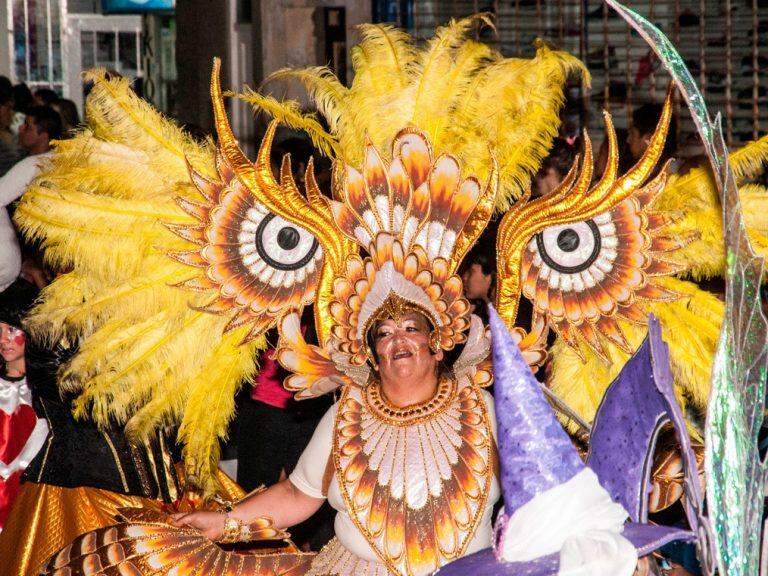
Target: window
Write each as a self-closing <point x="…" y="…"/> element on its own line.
<point x="37" y="53"/>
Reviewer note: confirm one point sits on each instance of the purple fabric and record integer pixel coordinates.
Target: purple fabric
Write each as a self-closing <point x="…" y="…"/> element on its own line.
<point x="635" y="406"/>
<point x="645" y="537"/>
<point x="624" y="434"/>
<point x="662" y="376"/>
<point x="535" y="453"/>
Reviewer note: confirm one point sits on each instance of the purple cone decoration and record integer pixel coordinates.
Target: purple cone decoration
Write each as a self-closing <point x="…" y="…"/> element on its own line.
<point x="535" y="452"/>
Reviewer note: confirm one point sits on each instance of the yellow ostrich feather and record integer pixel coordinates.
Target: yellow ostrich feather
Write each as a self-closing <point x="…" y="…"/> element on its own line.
<point x="690" y="326"/>
<point x="116" y="114"/>
<point x="694" y="199"/>
<point x="289" y="113"/>
<point x="470" y="100"/>
<point x="101" y="208"/>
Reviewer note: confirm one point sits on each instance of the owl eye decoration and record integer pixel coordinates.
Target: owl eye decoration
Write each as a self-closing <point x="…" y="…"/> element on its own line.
<point x="259" y="263"/>
<point x="587" y="276"/>
<point x="570" y="249"/>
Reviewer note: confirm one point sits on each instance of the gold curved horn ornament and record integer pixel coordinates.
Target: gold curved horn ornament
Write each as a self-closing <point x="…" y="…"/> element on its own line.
<point x="568" y="203"/>
<point x="284" y="199"/>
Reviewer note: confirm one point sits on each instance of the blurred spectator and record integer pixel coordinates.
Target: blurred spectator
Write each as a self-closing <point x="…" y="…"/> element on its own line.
<point x="22" y="101"/>
<point x="40" y="127"/>
<point x="478" y="274"/>
<point x="644" y="122"/>
<point x="70" y="119"/>
<point x="9" y="151"/>
<point x="45" y="97"/>
<point x="625" y="156"/>
<point x="554" y="167"/>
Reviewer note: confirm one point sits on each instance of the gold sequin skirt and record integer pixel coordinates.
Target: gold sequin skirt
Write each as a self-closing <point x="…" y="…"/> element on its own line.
<point x="45" y="518"/>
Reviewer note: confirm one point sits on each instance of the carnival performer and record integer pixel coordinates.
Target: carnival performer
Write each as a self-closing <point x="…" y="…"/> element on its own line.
<point x="428" y="142"/>
<point x="404" y="510"/>
<point x="22" y="433"/>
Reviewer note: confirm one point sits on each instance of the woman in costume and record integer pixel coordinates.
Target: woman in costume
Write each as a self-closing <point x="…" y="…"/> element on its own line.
<point x="22" y="433"/>
<point x="408" y="500"/>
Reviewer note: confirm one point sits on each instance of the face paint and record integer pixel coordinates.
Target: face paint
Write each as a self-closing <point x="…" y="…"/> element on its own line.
<point x="403" y="348"/>
<point x="12" y="341"/>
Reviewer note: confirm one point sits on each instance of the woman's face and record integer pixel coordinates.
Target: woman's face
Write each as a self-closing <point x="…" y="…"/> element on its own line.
<point x="11" y="343"/>
<point x="403" y="349"/>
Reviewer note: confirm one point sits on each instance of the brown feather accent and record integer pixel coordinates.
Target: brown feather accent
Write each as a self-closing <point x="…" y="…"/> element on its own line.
<point x="421" y="549"/>
<point x="415" y="153"/>
<point x="137" y="548"/>
<point x="670" y="244"/>
<point x="661" y="267"/>
<point x="655" y="293"/>
<point x="634" y="314"/>
<point x="609" y="328"/>
<point x="194" y="234"/>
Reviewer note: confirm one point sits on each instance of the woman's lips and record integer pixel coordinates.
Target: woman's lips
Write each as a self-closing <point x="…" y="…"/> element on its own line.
<point x="400" y="354"/>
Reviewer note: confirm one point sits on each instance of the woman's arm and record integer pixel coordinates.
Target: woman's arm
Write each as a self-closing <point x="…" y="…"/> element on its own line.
<point x="283" y="502"/>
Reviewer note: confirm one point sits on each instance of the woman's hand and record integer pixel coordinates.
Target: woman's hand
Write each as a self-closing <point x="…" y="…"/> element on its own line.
<point x="210" y="524"/>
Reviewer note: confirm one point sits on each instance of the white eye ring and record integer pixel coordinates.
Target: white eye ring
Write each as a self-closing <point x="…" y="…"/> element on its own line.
<point x="281" y="244"/>
<point x="570" y="248"/>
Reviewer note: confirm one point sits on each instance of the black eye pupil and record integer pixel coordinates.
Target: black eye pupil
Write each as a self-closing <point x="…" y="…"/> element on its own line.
<point x="568" y="240"/>
<point x="288" y="238"/>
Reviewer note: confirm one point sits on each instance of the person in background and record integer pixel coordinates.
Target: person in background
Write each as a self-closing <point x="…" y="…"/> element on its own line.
<point x="42" y="125"/>
<point x="478" y="273"/>
<point x="45" y="97"/>
<point x="9" y="150"/>
<point x="22" y="433"/>
<point x="644" y="121"/>
<point x="625" y="157"/>
<point x="70" y="119"/>
<point x="22" y="101"/>
<point x="554" y="167"/>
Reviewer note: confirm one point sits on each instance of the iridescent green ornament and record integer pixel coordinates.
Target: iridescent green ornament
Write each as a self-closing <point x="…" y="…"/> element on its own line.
<point x="735" y="474"/>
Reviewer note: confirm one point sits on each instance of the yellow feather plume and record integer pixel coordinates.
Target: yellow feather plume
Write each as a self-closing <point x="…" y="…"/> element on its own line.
<point x="289" y="113"/>
<point x="327" y="92"/>
<point x="116" y="114"/>
<point x="470" y="100"/>
<point x="749" y="161"/>
<point x="147" y="357"/>
<point x="690" y="326"/>
<point x="694" y="199"/>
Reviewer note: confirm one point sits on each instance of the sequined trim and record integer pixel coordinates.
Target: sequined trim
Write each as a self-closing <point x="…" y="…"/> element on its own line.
<point x="416" y="489"/>
<point x="335" y="560"/>
<point x="377" y="403"/>
<point x="117" y="461"/>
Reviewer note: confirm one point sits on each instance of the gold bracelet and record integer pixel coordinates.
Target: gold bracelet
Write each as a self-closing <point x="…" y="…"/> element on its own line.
<point x="232" y="530"/>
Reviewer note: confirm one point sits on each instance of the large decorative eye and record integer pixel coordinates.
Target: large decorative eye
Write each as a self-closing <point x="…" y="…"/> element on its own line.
<point x="584" y="276"/>
<point x="260" y="263"/>
<point x="574" y="248"/>
<point x="267" y="240"/>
